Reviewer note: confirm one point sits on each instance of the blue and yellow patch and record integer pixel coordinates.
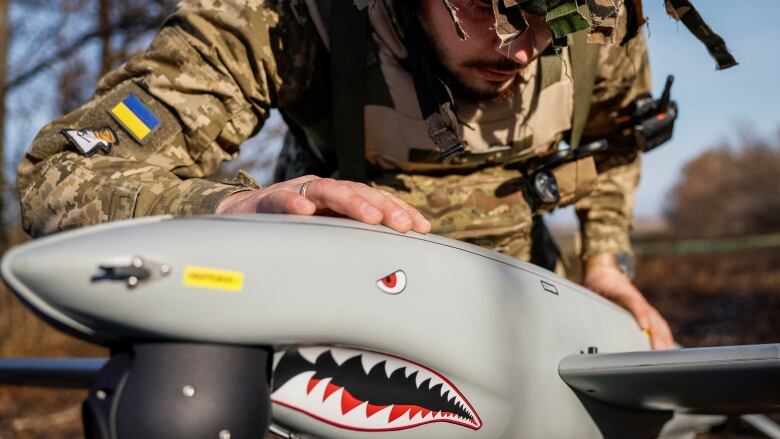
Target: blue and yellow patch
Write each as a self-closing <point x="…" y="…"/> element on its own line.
<point x="136" y="118"/>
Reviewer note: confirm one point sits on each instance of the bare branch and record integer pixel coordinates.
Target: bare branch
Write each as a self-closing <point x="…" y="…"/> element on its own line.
<point x="138" y="24"/>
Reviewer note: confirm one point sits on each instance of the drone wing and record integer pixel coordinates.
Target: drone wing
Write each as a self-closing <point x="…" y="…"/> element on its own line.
<point x="733" y="379"/>
<point x="68" y="373"/>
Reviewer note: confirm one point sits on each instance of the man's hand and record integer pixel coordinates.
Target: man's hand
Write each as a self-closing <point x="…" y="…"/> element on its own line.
<point x="325" y="196"/>
<point x="607" y="280"/>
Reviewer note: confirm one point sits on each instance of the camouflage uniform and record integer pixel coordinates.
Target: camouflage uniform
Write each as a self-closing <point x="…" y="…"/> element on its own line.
<point x="212" y="75"/>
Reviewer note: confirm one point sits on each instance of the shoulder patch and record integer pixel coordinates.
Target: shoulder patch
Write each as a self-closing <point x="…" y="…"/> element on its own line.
<point x="89" y="141"/>
<point x="136" y="118"/>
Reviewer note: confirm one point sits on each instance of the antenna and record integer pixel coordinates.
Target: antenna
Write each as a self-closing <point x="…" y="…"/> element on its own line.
<point x="666" y="97"/>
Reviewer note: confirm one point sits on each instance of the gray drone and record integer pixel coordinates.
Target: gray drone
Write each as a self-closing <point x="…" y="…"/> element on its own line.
<point x="226" y="327"/>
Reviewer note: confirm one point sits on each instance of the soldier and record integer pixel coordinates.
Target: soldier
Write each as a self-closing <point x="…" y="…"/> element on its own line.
<point x="454" y="96"/>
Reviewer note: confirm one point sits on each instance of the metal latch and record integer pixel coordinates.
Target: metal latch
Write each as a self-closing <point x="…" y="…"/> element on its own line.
<point x="139" y="271"/>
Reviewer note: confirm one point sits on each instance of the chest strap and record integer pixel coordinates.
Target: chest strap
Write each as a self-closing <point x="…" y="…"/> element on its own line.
<point x="348" y="50"/>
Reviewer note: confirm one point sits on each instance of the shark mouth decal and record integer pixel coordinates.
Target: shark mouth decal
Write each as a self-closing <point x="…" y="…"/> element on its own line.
<point x="367" y="391"/>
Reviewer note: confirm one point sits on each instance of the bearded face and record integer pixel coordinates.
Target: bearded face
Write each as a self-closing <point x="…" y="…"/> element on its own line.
<point x="478" y="68"/>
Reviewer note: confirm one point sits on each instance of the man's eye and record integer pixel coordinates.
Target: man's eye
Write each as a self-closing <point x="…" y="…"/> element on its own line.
<point x="480" y="6"/>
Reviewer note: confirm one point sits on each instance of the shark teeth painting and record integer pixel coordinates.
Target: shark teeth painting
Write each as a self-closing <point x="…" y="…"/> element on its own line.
<point x="367" y="391"/>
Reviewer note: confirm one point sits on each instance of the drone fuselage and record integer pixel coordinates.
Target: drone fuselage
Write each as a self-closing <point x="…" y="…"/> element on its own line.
<point x="492" y="328"/>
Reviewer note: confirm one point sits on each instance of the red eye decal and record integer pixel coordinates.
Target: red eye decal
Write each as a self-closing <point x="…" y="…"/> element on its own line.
<point x="393" y="284"/>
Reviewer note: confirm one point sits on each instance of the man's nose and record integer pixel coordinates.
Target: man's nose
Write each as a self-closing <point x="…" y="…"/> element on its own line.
<point x="519" y="50"/>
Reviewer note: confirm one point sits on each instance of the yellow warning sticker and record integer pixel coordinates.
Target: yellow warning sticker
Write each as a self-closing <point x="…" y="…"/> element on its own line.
<point x="202" y="277"/>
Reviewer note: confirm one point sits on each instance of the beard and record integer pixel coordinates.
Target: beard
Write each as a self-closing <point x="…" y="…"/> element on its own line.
<point x="493" y="92"/>
<point x="463" y="89"/>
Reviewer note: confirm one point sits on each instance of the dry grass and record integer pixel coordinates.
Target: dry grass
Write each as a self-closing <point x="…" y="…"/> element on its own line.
<point x="27" y="413"/>
<point x="716" y="299"/>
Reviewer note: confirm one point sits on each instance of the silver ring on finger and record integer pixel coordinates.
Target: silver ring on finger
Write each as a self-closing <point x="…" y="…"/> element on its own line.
<point x="304" y="188"/>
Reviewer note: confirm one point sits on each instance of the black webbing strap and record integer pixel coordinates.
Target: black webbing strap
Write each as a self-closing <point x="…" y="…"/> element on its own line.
<point x="435" y="99"/>
<point x="348" y="46"/>
<point x="684" y="10"/>
<point x="544" y="250"/>
<point x="635" y="19"/>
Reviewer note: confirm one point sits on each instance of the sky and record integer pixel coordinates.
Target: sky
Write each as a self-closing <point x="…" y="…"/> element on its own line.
<point x="716" y="107"/>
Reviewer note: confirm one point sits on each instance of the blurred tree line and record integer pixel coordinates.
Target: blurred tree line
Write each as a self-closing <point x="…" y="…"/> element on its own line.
<point x="728" y="191"/>
<point x="52" y="54"/>
<point x="78" y="40"/>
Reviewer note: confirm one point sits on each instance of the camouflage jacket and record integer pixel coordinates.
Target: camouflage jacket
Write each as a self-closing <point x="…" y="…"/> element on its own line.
<point x="206" y="84"/>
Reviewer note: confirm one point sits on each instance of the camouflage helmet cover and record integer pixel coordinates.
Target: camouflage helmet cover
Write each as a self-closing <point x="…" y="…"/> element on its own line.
<point x="600" y="19"/>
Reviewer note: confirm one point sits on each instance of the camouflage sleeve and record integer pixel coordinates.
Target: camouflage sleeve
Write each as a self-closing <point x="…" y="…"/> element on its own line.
<point x="607" y="213"/>
<point x="161" y="123"/>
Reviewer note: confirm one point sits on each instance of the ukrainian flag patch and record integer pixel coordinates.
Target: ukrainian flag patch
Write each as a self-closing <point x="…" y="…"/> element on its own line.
<point x="136" y="118"/>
